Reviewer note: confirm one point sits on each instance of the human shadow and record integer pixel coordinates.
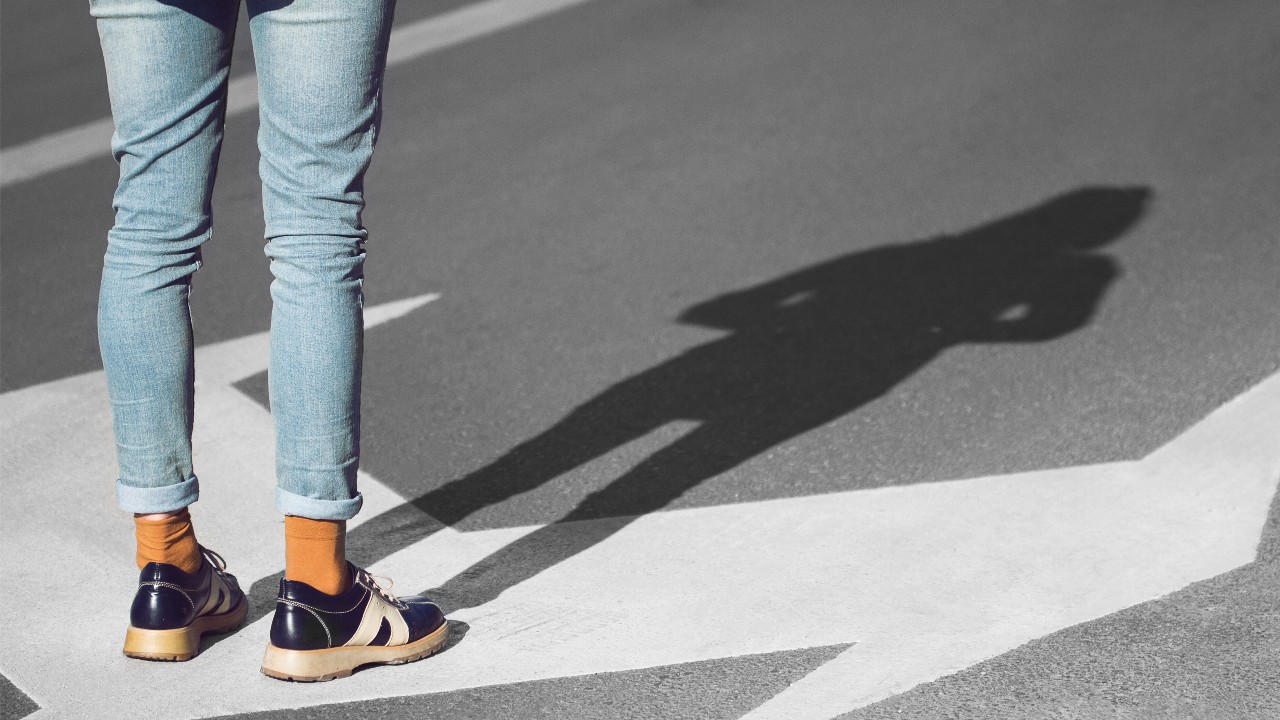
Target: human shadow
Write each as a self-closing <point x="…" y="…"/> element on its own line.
<point x="803" y="350"/>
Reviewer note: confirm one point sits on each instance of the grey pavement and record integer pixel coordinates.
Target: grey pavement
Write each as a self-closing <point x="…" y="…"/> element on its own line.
<point x="701" y="256"/>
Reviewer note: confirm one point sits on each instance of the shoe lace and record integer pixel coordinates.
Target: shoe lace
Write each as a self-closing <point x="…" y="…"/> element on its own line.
<point x="369" y="580"/>
<point x="214" y="559"/>
<point x="219" y="567"/>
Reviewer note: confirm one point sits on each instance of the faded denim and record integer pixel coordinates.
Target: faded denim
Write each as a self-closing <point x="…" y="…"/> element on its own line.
<point x="320" y="66"/>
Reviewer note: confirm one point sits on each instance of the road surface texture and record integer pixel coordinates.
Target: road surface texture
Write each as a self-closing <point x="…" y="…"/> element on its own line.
<point x="724" y="360"/>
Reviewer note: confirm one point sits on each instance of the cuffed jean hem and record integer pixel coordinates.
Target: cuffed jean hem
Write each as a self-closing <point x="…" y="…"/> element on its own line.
<point x="148" y="500"/>
<point x="293" y="504"/>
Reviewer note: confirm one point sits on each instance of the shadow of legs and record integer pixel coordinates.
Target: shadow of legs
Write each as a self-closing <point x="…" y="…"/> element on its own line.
<point x="650" y="486"/>
<point x="588" y="432"/>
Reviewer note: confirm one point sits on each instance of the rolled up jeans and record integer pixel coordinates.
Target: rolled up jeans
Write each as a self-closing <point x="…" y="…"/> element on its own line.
<point x="320" y="65"/>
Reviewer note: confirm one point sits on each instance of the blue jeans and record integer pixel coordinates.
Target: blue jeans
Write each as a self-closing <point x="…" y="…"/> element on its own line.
<point x="320" y="66"/>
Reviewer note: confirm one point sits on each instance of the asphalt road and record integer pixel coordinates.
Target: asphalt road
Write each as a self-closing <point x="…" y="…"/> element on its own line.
<point x="696" y="254"/>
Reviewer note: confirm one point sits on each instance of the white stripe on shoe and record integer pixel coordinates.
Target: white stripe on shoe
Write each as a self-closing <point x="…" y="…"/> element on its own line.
<point x="375" y="612"/>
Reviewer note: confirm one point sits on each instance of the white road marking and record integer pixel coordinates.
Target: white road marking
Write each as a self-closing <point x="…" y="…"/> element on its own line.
<point x="91" y="140"/>
<point x="1161" y="524"/>
<point x="926" y="579"/>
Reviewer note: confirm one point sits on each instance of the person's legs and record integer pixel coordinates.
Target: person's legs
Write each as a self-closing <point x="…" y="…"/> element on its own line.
<point x="320" y="65"/>
<point x="320" y="68"/>
<point x="167" y="73"/>
<point x="167" y="66"/>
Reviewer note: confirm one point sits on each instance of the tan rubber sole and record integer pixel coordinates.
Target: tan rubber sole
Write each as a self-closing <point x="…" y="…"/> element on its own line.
<point x="340" y="662"/>
<point x="182" y="643"/>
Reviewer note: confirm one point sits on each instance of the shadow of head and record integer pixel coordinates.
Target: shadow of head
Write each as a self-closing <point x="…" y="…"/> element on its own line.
<point x="1015" y="258"/>
<point x="1084" y="219"/>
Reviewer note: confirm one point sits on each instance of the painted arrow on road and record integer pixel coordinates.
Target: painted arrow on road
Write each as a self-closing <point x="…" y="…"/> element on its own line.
<point x="919" y="581"/>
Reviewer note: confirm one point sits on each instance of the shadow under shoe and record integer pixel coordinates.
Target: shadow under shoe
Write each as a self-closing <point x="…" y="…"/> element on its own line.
<point x="316" y="636"/>
<point x="173" y="609"/>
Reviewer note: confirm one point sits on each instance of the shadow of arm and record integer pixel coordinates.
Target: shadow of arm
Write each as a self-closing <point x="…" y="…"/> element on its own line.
<point x="1055" y="304"/>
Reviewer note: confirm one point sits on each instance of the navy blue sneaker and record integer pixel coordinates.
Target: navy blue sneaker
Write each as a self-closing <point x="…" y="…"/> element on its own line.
<point x="315" y="636"/>
<point x="173" y="609"/>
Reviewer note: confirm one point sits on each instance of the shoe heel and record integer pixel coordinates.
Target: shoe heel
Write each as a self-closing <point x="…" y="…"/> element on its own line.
<point x="308" y="665"/>
<point x="166" y="645"/>
<point x="180" y="644"/>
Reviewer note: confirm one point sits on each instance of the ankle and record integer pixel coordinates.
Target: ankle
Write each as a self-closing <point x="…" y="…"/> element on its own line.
<point x="315" y="553"/>
<point x="167" y="538"/>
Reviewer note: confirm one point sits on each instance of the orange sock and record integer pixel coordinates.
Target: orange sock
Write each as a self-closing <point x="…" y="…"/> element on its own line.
<point x="169" y="539"/>
<point x="315" y="552"/>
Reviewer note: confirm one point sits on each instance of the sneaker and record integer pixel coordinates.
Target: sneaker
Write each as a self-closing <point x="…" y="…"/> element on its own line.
<point x="173" y="609"/>
<point x="315" y="636"/>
